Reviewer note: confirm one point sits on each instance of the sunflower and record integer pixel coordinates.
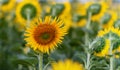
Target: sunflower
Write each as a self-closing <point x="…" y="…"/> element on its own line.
<point x="103" y="49"/>
<point x="67" y="65"/>
<point x="27" y="10"/>
<point x="61" y="9"/>
<point x="97" y="10"/>
<point x="79" y="16"/>
<point x="112" y="30"/>
<point x="67" y="22"/>
<point x="79" y="20"/>
<point x="44" y="35"/>
<point x="7" y="5"/>
<point x="80" y="11"/>
<point x="109" y="18"/>
<point x="117" y="23"/>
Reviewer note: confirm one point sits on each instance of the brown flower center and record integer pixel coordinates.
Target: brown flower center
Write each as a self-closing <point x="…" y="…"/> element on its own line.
<point x="44" y="33"/>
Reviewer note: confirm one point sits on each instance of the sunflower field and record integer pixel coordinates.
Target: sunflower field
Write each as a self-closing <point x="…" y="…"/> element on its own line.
<point x="59" y="34"/>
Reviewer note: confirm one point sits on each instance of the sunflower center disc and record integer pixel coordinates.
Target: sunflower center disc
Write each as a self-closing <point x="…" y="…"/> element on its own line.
<point x="5" y="2"/>
<point x="106" y="18"/>
<point x="28" y="10"/>
<point x="44" y="34"/>
<point x="94" y="9"/>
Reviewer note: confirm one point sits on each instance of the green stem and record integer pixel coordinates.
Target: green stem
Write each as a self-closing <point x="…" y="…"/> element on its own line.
<point x="87" y="42"/>
<point x="89" y="20"/>
<point x="28" y="19"/>
<point x="30" y="68"/>
<point x="20" y="67"/>
<point x="88" y="61"/>
<point x="111" y="63"/>
<point x="40" y="61"/>
<point x="45" y="67"/>
<point x="110" y="52"/>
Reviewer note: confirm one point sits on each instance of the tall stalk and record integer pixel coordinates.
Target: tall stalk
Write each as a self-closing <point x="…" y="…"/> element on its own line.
<point x="110" y="52"/>
<point x="87" y="42"/>
<point x="40" y="61"/>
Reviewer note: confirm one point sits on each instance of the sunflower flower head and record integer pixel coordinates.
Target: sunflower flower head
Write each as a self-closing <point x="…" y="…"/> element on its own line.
<point x="7" y="5"/>
<point x="60" y="9"/>
<point x="116" y="24"/>
<point x="63" y="11"/>
<point x="67" y="65"/>
<point x="44" y="35"/>
<point x="96" y="9"/>
<point x="79" y="16"/>
<point x="104" y="45"/>
<point x="27" y="10"/>
<point x="79" y="20"/>
<point x="108" y="19"/>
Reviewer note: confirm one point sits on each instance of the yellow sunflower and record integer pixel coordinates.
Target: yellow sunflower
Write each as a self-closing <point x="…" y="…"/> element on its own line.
<point x="116" y="24"/>
<point x="7" y="5"/>
<point x="27" y="10"/>
<point x="106" y="31"/>
<point x="104" y="46"/>
<point x="61" y="9"/>
<point x="44" y="36"/>
<point x="67" y="65"/>
<point x="97" y="9"/>
<point x="109" y="18"/>
<point x="80" y="9"/>
<point x="79" y="20"/>
<point x="67" y="22"/>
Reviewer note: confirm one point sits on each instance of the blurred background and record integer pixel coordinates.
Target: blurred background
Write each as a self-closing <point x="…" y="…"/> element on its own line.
<point x="16" y="14"/>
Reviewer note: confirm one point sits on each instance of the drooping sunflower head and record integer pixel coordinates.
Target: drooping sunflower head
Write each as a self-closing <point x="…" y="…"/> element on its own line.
<point x="67" y="65"/>
<point x="27" y="10"/>
<point x="7" y="5"/>
<point x="116" y="24"/>
<point x="102" y="47"/>
<point x="63" y="11"/>
<point x="80" y="9"/>
<point x="115" y="32"/>
<point x="108" y="19"/>
<point x="60" y="9"/>
<point x="44" y="36"/>
<point x="79" y="16"/>
<point x="96" y="9"/>
<point x="79" y="20"/>
<point x="112" y="32"/>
